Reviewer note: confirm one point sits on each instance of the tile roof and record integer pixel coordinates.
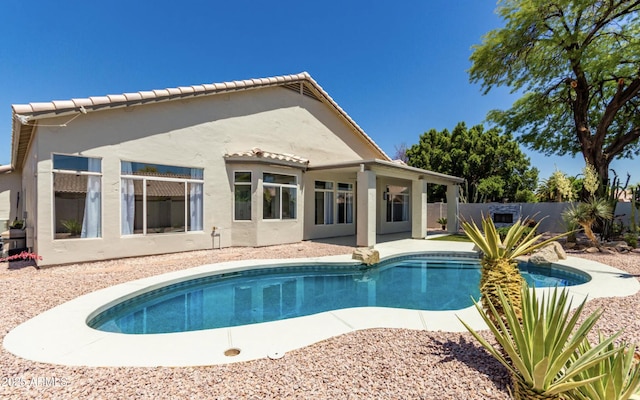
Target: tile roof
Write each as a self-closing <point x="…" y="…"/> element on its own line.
<point x="98" y="102"/>
<point x="258" y="154"/>
<point x="24" y="114"/>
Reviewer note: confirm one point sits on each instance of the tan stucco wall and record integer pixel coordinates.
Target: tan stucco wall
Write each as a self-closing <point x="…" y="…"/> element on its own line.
<point x="259" y="232"/>
<point x="9" y="188"/>
<point x="385" y="227"/>
<point x="313" y="231"/>
<point x="190" y="133"/>
<point x="29" y="195"/>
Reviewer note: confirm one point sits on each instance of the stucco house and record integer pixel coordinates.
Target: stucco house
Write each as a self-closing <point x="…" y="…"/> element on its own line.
<point x="260" y="162"/>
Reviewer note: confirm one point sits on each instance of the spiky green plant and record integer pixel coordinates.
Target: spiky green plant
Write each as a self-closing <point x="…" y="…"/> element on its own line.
<point x="499" y="268"/>
<point x="619" y="373"/>
<point x="586" y="214"/>
<point x="540" y="349"/>
<point x="442" y="222"/>
<point x="72" y="226"/>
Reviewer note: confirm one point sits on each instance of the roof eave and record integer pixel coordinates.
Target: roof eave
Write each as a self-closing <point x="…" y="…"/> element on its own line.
<point x="269" y="161"/>
<point x="37" y="111"/>
<point x="431" y="176"/>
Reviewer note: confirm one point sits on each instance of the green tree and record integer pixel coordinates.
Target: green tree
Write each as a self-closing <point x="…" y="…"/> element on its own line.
<point x="578" y="64"/>
<point x="492" y="163"/>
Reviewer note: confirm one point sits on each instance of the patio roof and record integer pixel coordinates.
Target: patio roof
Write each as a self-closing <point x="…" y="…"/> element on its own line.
<point x="390" y="168"/>
<point x="25" y="116"/>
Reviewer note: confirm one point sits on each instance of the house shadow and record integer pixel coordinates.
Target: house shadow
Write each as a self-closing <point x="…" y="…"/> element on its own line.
<point x="21" y="264"/>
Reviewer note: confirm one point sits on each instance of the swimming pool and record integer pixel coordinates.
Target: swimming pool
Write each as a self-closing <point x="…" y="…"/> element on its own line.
<point x="415" y="282"/>
<point x="61" y="335"/>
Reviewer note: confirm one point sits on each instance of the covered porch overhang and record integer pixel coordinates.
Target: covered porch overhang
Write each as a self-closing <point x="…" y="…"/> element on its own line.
<point x="367" y="173"/>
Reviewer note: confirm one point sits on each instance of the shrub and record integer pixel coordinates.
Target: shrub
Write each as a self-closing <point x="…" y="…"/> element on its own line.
<point x="527" y="229"/>
<point x="631" y="239"/>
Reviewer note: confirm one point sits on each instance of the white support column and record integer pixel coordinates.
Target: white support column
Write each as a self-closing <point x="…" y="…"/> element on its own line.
<point x="366" y="209"/>
<point x="418" y="209"/>
<point x="453" y="224"/>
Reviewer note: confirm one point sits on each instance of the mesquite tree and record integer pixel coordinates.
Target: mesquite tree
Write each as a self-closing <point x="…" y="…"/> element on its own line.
<point x="577" y="63"/>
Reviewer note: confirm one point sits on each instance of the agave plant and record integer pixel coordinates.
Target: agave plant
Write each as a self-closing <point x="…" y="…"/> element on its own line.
<point x="499" y="268"/>
<point x="540" y="350"/>
<point x="618" y="374"/>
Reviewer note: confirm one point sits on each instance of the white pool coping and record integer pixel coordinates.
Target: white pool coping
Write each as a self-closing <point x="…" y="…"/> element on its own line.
<point x="61" y="335"/>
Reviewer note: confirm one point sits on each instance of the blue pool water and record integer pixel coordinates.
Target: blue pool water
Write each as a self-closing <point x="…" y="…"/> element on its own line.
<point x="230" y="299"/>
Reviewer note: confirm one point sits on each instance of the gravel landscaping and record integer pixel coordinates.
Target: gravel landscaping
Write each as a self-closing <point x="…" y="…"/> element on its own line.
<point x="376" y="363"/>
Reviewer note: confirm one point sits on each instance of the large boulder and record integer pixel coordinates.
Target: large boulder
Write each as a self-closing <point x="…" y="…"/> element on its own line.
<point x="548" y="254"/>
<point x="366" y="255"/>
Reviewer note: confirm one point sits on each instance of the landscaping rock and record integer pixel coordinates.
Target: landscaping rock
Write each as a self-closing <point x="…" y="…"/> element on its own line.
<point x="552" y="252"/>
<point x="592" y="250"/>
<point x="610" y="250"/>
<point x="623" y="247"/>
<point x="367" y="256"/>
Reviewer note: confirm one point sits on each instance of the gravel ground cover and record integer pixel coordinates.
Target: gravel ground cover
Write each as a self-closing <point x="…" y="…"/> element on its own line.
<point x="375" y="363"/>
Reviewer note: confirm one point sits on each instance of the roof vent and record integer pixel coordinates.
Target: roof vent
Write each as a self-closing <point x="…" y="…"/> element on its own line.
<point x="301" y="87"/>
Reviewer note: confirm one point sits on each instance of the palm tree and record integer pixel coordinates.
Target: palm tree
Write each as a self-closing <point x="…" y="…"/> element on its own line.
<point x="586" y="214"/>
<point x="499" y="268"/>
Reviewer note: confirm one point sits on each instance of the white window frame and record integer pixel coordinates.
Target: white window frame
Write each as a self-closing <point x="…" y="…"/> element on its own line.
<point x="406" y="205"/>
<point x="280" y="186"/>
<point x="144" y="180"/>
<point x="74" y="172"/>
<point x="250" y="184"/>
<point x="348" y="193"/>
<point x="335" y="191"/>
<point x="331" y="191"/>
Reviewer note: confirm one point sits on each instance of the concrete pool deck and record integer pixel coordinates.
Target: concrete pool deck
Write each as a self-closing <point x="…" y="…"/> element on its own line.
<point x="61" y="336"/>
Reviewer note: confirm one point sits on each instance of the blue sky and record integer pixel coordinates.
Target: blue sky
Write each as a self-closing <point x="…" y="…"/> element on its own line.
<point x="398" y="69"/>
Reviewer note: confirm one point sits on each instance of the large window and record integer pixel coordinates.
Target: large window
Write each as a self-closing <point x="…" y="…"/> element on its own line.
<point x="278" y="196"/>
<point x="160" y="198"/>
<point x="344" y="200"/>
<point x="333" y="202"/>
<point x="397" y="203"/>
<point x="77" y="188"/>
<point x="242" y="196"/>
<point x="324" y="203"/>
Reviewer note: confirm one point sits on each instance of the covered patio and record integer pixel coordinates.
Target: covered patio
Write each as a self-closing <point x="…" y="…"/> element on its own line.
<point x="392" y="197"/>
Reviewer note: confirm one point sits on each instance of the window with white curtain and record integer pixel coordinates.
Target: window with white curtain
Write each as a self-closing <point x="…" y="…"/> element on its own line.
<point x="242" y="196"/>
<point x="159" y="198"/>
<point x="397" y="203"/>
<point x="324" y="202"/>
<point x="279" y="196"/>
<point x="77" y="188"/>
<point x="333" y="203"/>
<point x="344" y="203"/>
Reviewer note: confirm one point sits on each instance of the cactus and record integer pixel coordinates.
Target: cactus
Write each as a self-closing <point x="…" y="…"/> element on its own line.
<point x="611" y="196"/>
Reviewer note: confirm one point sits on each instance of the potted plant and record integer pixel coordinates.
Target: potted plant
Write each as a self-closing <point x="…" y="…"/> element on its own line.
<point x="442" y="222"/>
<point x="17" y="224"/>
<point x="72" y="226"/>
